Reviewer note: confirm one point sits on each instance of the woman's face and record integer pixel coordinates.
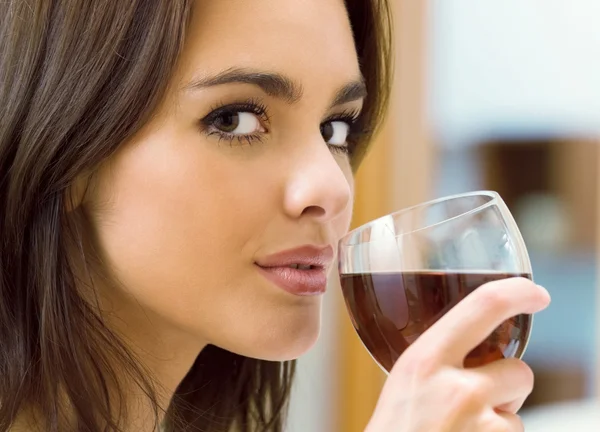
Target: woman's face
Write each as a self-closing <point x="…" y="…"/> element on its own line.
<point x="241" y="174"/>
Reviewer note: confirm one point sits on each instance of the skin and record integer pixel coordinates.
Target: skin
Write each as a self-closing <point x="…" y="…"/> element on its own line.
<point x="180" y="216"/>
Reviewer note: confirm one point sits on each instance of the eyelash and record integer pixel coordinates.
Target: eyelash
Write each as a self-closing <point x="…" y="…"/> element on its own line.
<point x="252" y="106"/>
<point x="256" y="107"/>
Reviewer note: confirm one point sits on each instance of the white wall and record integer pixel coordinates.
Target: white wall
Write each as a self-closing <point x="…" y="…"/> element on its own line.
<point x="514" y="67"/>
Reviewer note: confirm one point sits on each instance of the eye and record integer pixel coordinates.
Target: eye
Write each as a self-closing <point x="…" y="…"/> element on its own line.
<point x="335" y="132"/>
<point x="237" y="123"/>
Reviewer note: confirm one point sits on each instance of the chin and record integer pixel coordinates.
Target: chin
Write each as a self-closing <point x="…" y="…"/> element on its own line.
<point x="291" y="348"/>
<point x="298" y="334"/>
<point x="278" y="343"/>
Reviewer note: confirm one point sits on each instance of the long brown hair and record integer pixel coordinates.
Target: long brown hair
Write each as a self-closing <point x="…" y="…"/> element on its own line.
<point x="77" y="79"/>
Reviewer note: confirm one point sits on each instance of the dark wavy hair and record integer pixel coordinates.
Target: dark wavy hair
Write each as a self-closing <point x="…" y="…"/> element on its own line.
<point x="77" y="79"/>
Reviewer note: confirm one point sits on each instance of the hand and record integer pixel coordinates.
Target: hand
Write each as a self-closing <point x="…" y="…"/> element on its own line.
<point x="428" y="390"/>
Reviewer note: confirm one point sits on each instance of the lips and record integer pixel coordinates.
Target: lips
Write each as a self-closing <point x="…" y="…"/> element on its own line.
<point x="301" y="271"/>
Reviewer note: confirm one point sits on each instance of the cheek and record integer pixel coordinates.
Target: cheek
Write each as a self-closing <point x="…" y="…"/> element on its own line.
<point x="172" y="224"/>
<point x="178" y="223"/>
<point x="345" y="219"/>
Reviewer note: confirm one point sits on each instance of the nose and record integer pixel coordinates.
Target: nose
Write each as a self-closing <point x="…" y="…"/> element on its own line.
<point x="317" y="187"/>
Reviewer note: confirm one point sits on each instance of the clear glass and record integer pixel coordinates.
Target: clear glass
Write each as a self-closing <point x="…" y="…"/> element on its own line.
<point x="402" y="272"/>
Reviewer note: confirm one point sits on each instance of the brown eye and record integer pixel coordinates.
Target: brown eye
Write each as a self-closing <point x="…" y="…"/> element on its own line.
<point x="227" y="122"/>
<point x="327" y="131"/>
<point x="335" y="132"/>
<point x="237" y="123"/>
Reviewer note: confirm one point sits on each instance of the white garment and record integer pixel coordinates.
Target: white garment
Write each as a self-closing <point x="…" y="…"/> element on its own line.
<point x="580" y="416"/>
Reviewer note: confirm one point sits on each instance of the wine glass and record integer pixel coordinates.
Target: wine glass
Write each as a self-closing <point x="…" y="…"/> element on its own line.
<point x="402" y="272"/>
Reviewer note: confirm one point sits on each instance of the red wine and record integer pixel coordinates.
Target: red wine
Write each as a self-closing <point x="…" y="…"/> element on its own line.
<point x="391" y="310"/>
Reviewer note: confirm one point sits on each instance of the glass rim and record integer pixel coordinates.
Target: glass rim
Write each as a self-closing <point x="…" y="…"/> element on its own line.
<point x="488" y="193"/>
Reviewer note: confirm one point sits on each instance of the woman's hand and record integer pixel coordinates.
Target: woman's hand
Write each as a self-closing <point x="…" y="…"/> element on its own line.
<point x="428" y="390"/>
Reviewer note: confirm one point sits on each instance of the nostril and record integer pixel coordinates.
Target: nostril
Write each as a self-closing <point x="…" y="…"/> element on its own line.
<point x="314" y="211"/>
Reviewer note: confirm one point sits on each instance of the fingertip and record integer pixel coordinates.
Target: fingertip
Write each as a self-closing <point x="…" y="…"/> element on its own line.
<point x="545" y="295"/>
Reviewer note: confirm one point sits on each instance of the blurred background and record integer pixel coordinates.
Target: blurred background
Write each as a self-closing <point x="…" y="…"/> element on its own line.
<point x="501" y="95"/>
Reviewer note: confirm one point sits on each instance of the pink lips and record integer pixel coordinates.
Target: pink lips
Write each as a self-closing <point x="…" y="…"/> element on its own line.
<point x="301" y="271"/>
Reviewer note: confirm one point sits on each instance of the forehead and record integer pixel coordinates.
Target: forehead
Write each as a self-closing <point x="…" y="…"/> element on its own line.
<point x="309" y="40"/>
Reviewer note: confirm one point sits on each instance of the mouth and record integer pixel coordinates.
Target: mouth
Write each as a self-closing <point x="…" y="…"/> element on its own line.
<point x="300" y="280"/>
<point x="304" y="267"/>
<point x="301" y="271"/>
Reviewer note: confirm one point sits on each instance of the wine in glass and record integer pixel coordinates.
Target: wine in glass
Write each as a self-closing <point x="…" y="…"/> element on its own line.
<point x="402" y="272"/>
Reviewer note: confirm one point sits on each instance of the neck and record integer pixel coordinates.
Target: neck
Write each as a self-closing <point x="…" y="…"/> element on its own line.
<point x="165" y="353"/>
<point x="166" y="361"/>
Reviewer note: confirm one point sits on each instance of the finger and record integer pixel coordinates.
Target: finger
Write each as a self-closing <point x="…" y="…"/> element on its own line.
<point x="507" y="383"/>
<point x="473" y="319"/>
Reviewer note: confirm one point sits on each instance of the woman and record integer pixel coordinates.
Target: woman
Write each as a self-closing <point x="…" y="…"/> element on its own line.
<point x="175" y="176"/>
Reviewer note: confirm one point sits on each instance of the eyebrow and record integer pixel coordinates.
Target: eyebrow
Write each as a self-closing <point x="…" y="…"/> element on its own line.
<point x="351" y="92"/>
<point x="276" y="85"/>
